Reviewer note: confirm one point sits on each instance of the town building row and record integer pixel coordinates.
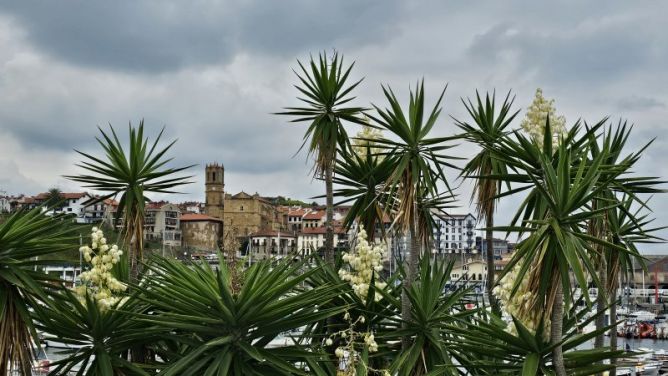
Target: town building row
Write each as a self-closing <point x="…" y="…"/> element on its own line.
<point x="258" y="224"/>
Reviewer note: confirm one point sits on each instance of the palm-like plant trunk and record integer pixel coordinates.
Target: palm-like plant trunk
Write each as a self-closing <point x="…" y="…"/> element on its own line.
<point x="15" y="349"/>
<point x="135" y="234"/>
<point x="613" y="330"/>
<point x="329" y="223"/>
<point x="135" y="231"/>
<point x="490" y="263"/>
<point x="556" y="329"/>
<point x="601" y="301"/>
<point x="411" y="272"/>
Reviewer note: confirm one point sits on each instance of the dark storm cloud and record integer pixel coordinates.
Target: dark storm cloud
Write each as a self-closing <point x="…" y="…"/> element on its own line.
<point x="159" y="36"/>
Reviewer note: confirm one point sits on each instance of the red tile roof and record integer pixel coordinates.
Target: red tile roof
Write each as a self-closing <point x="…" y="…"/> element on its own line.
<point x="271" y="233"/>
<point x="297" y="212"/>
<point x="64" y="195"/>
<point x="73" y="195"/>
<point x="314" y="215"/>
<point x="156" y="204"/>
<point x="197" y="217"/>
<point x="111" y="202"/>
<point x="321" y="230"/>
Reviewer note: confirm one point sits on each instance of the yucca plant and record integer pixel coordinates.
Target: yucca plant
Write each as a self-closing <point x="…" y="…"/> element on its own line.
<point x="219" y="332"/>
<point x="618" y="182"/>
<point x="417" y="174"/>
<point x="555" y="213"/>
<point x="99" y="339"/>
<point x="486" y="346"/>
<point x="361" y="179"/>
<point x="628" y="225"/>
<point x="435" y="309"/>
<point x="374" y="312"/>
<point x="27" y="238"/>
<point x="132" y="174"/>
<point x="326" y="97"/>
<point x="488" y="128"/>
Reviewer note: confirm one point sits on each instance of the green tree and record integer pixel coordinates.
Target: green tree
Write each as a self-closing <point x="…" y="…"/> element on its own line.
<point x="555" y="214"/>
<point x="101" y="338"/>
<point x="219" y="331"/>
<point x="628" y="224"/>
<point x="54" y="197"/>
<point x="26" y="238"/>
<point x="619" y="220"/>
<point x="131" y="175"/>
<point x="326" y="98"/>
<point x="486" y="132"/>
<point x="418" y="162"/>
<point x="488" y="348"/>
<point x="361" y="178"/>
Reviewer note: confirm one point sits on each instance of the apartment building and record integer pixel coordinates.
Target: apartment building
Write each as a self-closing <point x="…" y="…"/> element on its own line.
<point x="454" y="233"/>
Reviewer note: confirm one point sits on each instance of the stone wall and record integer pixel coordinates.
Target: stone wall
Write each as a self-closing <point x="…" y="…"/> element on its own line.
<point x="203" y="235"/>
<point x="248" y="214"/>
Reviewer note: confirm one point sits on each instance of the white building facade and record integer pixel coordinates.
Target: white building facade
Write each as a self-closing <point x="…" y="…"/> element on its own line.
<point x="455" y="233"/>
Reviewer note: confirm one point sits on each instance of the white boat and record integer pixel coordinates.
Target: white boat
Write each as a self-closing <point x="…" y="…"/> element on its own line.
<point x="625" y="371"/>
<point x="649" y="368"/>
<point x="55" y="344"/>
<point x="642" y="316"/>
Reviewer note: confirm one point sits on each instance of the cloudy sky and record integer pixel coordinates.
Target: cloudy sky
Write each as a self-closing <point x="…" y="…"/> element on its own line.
<point x="213" y="73"/>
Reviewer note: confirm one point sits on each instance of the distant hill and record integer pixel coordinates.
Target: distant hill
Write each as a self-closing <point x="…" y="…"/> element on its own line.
<point x="287" y="201"/>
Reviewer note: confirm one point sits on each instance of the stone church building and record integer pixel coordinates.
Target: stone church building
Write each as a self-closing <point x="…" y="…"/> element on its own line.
<point x="241" y="213"/>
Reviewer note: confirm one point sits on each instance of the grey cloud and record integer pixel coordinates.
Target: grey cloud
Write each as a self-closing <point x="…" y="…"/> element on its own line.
<point x="582" y="55"/>
<point x="213" y="73"/>
<point x="13" y="181"/>
<point x="639" y="103"/>
<point x="154" y="37"/>
<point x="125" y="35"/>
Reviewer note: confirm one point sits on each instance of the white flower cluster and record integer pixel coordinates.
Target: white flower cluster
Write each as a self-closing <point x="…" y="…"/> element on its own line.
<point x="347" y="353"/>
<point x="519" y="305"/>
<point x="366" y="137"/>
<point x="536" y="116"/>
<point x="366" y="260"/>
<point x="98" y="281"/>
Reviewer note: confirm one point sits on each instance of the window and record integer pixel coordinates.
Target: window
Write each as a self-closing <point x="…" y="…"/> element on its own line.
<point x="242" y="208"/>
<point x="213" y="176"/>
<point x="480" y="276"/>
<point x="465" y="267"/>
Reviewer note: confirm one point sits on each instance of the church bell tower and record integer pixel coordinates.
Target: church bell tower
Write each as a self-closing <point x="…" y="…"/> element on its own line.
<point x="215" y="190"/>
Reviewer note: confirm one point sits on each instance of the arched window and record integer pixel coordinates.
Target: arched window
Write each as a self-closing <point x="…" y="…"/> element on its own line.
<point x="473" y="276"/>
<point x="480" y="276"/>
<point x="213" y="176"/>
